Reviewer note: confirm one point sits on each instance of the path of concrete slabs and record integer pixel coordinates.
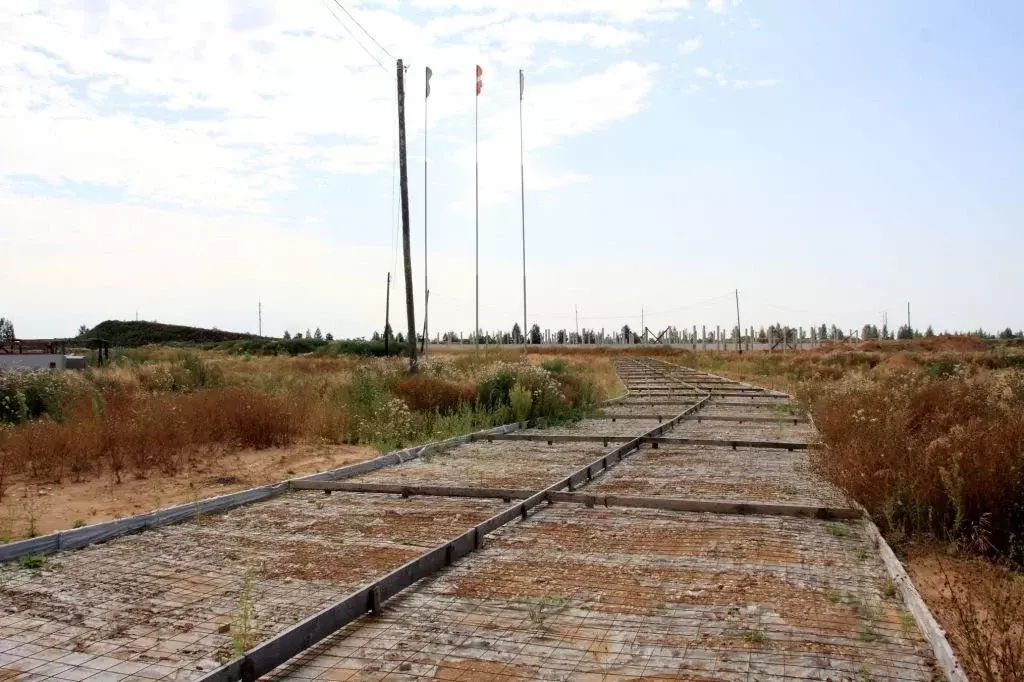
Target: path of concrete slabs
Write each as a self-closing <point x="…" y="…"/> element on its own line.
<point x="681" y="534"/>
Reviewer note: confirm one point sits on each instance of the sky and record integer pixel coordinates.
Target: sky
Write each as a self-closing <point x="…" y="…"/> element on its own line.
<point x="185" y="161"/>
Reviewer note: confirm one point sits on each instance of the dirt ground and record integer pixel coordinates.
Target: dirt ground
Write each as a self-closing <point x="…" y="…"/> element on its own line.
<point x="29" y="509"/>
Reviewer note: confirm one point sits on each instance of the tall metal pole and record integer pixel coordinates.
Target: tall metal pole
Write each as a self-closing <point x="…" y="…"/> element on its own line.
<point x="739" y="329"/>
<point x="909" y="333"/>
<point x="403" y="177"/>
<point x="522" y="194"/>
<point x="476" y="153"/>
<point x="426" y="289"/>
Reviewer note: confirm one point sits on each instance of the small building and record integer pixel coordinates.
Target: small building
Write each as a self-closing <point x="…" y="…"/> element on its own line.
<point x="49" y="354"/>
<point x="32" y="361"/>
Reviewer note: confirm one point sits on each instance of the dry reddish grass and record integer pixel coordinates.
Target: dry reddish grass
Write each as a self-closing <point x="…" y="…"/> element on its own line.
<point x="429" y="394"/>
<point x="140" y="432"/>
<point x="929" y="455"/>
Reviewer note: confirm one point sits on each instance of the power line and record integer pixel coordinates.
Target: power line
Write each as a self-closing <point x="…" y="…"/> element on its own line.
<point x="353" y="36"/>
<point x="375" y="42"/>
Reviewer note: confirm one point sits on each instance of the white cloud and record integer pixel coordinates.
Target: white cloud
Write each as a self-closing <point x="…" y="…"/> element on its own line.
<point x="616" y="10"/>
<point x="717" y="6"/>
<point x="691" y="45"/>
<point x="219" y="105"/>
<point x="702" y="72"/>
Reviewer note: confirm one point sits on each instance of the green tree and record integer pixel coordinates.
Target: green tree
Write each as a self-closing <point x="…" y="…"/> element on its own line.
<point x="535" y="337"/>
<point x="318" y="335"/>
<point x="904" y="332"/>
<point x="1006" y="333"/>
<point x="287" y="335"/>
<point x="561" y="336"/>
<point x="869" y="331"/>
<point x="330" y="337"/>
<point x="82" y="331"/>
<point x="929" y="332"/>
<point x="627" y="334"/>
<point x="823" y="332"/>
<point x="298" y="335"/>
<point x="517" y="333"/>
<point x="6" y="331"/>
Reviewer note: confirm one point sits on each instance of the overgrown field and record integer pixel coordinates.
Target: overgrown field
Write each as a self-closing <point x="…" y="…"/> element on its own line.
<point x="157" y="410"/>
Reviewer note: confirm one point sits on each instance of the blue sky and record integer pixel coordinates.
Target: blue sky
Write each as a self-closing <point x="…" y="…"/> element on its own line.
<point x="831" y="160"/>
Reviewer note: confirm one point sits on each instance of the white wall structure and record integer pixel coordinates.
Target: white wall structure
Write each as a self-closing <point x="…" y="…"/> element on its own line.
<point x="32" y="361"/>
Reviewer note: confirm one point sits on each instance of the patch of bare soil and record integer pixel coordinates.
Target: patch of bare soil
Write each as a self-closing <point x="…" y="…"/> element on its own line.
<point x="29" y="509"/>
<point x="307" y="560"/>
<point x="980" y="606"/>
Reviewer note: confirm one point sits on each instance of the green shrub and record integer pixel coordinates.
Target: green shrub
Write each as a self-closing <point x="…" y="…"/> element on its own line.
<point x="521" y="400"/>
<point x="30" y="395"/>
<point x="554" y="365"/>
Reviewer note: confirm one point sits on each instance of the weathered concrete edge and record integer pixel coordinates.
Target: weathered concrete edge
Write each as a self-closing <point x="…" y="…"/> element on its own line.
<point x="912" y="599"/>
<point x="78" y="538"/>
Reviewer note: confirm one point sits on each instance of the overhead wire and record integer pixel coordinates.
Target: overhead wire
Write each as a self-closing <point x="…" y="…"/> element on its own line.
<point x="353" y="35"/>
<point x="368" y="34"/>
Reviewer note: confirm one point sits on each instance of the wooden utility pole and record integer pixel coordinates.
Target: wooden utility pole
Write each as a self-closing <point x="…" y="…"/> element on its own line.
<point x="403" y="178"/>
<point x="387" y="314"/>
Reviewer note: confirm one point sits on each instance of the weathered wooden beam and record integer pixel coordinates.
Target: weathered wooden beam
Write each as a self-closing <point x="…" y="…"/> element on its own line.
<point x="709" y="506"/>
<point x="410" y="490"/>
<point x="728" y="442"/>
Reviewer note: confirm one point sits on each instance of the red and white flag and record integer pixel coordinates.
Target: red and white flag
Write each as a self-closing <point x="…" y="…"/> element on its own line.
<point x="479" y="79"/>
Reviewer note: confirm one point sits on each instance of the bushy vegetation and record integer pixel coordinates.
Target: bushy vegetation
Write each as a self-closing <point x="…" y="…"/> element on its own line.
<point x="161" y="410"/>
<point x="939" y="454"/>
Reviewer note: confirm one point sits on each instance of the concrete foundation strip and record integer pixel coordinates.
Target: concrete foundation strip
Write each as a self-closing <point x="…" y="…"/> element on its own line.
<point x="276" y="651"/>
<point x="926" y="622"/>
<point x="102" y="532"/>
<point x="931" y="629"/>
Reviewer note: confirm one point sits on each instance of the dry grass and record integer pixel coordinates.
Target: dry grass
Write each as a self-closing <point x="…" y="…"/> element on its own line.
<point x="140" y="433"/>
<point x="159" y="410"/>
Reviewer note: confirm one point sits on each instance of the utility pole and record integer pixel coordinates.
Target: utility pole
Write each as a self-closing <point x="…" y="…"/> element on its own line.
<point x="909" y="332"/>
<point x="387" y="314"/>
<point x="259" y="307"/>
<point x="739" y="329"/>
<point x="522" y="195"/>
<point x="577" y="323"/>
<point x="476" y="157"/>
<point x="426" y="288"/>
<point x="403" y="177"/>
